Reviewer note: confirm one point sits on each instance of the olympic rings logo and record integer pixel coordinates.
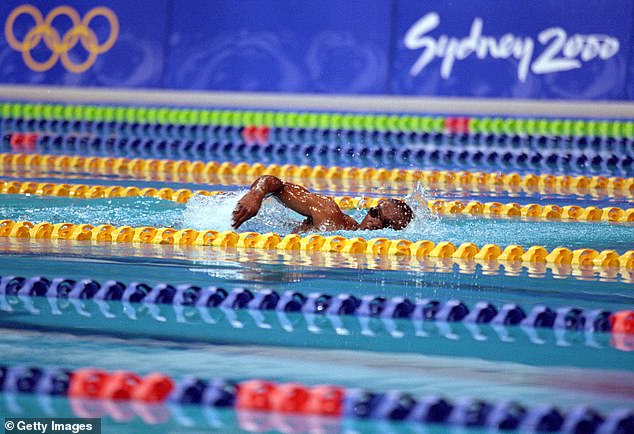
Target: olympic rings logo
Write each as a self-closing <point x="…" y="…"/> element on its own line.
<point x="60" y="46"/>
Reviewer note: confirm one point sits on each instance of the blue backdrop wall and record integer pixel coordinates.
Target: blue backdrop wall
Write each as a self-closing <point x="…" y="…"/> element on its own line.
<point x="539" y="49"/>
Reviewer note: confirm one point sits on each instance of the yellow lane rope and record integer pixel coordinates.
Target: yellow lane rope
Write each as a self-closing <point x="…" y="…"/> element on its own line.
<point x="430" y="264"/>
<point x="197" y="171"/>
<point x="437" y="206"/>
<point x="341" y="185"/>
<point x="584" y="257"/>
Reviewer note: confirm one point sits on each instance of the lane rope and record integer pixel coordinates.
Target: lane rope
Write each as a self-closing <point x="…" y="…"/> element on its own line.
<point x="339" y="151"/>
<point x="428" y="409"/>
<point x="300" y="399"/>
<point x="379" y="122"/>
<point x="536" y="270"/>
<point x="285" y="318"/>
<point x="582" y="257"/>
<point x="318" y="303"/>
<point x="199" y="171"/>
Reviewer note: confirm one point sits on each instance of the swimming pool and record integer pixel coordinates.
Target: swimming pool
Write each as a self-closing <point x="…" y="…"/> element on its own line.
<point x="550" y="256"/>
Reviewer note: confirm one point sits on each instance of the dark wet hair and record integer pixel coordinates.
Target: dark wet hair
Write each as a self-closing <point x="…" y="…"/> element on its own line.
<point x="404" y="209"/>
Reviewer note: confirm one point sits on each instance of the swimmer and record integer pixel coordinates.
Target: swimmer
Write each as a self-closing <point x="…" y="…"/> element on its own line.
<point x="321" y="212"/>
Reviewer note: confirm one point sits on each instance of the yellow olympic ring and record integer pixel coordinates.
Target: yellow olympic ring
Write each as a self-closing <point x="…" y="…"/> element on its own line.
<point x="60" y="46"/>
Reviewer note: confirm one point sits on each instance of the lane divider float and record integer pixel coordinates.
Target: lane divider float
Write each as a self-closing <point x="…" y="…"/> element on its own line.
<point x="318" y="303"/>
<point x="96" y="135"/>
<point x="286" y="318"/>
<point x="204" y="172"/>
<point x="250" y="421"/>
<point x="261" y="134"/>
<point x="429" y="264"/>
<point x="288" y="150"/>
<point x="379" y="122"/>
<point x="318" y="400"/>
<point x="582" y="257"/>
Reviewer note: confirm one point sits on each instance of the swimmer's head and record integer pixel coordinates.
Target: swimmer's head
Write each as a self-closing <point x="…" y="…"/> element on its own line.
<point x="389" y="213"/>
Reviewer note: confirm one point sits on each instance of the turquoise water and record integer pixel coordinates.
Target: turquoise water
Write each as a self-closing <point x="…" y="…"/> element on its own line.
<point x="214" y="212"/>
<point x="495" y="363"/>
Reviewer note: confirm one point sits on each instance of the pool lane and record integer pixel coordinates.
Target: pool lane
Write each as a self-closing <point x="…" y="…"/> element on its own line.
<point x="203" y="213"/>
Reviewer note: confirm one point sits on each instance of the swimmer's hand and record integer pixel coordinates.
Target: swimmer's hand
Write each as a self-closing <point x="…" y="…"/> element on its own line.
<point x="246" y="208"/>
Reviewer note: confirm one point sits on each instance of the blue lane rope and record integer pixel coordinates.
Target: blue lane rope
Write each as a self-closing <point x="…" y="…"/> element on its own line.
<point x="422" y="155"/>
<point x="280" y="135"/>
<point x="483" y="312"/>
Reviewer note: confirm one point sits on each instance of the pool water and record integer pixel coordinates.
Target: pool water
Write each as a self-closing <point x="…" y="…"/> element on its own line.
<point x="214" y="212"/>
<point x="528" y="365"/>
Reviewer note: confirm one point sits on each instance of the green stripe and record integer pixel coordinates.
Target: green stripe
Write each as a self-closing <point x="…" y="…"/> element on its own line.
<point x="392" y="122"/>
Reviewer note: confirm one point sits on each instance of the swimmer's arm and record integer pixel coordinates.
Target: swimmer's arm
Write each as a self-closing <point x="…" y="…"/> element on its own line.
<point x="251" y="202"/>
<point x="290" y="195"/>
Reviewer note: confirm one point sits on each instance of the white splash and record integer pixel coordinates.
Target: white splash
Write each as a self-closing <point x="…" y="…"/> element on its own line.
<point x="215" y="212"/>
<point x="211" y="212"/>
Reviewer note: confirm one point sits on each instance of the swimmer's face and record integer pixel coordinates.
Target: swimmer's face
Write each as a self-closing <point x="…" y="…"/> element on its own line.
<point x="391" y="213"/>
